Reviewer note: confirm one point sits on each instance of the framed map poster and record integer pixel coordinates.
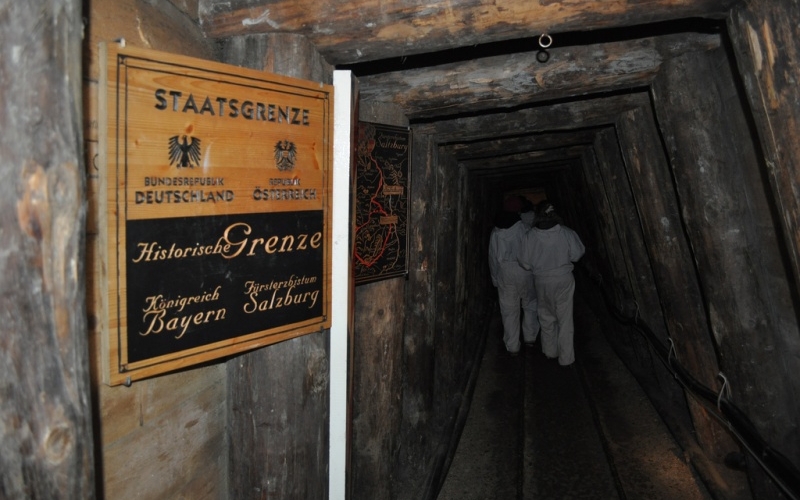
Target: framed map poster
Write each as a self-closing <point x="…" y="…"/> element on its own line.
<point x="216" y="203"/>
<point x="381" y="202"/>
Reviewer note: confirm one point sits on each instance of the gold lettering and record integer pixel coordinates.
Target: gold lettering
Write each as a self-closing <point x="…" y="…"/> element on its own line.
<point x="241" y="244"/>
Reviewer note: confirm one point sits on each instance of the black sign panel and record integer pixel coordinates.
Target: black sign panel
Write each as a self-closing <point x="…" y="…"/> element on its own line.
<point x="203" y="280"/>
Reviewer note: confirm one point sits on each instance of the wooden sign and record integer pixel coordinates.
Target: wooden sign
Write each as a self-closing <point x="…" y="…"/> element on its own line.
<point x="217" y="209"/>
<point x="381" y="200"/>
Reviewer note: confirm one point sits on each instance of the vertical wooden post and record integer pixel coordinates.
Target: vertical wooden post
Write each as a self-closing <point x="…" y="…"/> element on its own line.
<point x="724" y="208"/>
<point x="418" y="349"/>
<point x="767" y="49"/>
<point x="448" y="367"/>
<point x="46" y="431"/>
<point x="645" y="301"/>
<point x="278" y="396"/>
<point x="601" y="236"/>
<point x="670" y="255"/>
<point x="377" y="365"/>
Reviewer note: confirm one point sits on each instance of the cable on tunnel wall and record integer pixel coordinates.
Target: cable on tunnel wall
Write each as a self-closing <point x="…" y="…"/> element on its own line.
<point x="775" y="464"/>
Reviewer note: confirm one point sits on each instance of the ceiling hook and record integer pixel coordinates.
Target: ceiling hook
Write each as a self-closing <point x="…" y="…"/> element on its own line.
<point x="545" y="40"/>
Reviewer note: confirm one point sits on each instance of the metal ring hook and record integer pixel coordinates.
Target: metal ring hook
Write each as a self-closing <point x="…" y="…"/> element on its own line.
<point x="545" y="40"/>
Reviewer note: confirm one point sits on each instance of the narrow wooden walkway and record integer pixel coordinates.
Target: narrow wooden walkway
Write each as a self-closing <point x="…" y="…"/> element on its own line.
<point x="537" y="430"/>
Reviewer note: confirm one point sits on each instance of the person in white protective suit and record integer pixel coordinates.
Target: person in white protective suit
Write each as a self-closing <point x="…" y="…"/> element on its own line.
<point x="549" y="251"/>
<point x="514" y="284"/>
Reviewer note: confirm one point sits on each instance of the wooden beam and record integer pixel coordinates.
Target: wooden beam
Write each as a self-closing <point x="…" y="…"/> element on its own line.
<point x="516" y="144"/>
<point x="515" y="79"/>
<point x="725" y="213"/>
<point x="767" y="49"/>
<point x="587" y="112"/>
<point x="347" y="32"/>
<point x="46" y="432"/>
<point x="530" y="158"/>
<point x="519" y="178"/>
<point x="278" y="396"/>
<point x="526" y="170"/>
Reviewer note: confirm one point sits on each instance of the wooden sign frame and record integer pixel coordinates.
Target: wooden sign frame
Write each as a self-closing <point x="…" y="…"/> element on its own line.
<point x="216" y="201"/>
<point x="381" y="192"/>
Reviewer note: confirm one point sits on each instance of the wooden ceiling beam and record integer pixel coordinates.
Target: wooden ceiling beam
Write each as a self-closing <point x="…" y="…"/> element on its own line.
<point x="580" y="113"/>
<point x="346" y="32"/>
<point x="528" y="159"/>
<point x="516" y="79"/>
<point x="517" y="144"/>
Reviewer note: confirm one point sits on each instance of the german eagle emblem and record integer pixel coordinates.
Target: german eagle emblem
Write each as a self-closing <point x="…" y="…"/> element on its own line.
<point x="184" y="152"/>
<point x="285" y="155"/>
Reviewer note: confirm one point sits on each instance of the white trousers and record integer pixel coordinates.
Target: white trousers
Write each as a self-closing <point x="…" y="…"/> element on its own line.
<point x="555" y="294"/>
<point x="511" y="296"/>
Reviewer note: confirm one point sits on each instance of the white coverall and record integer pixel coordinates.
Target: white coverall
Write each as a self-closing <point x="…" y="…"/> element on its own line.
<point x="528" y="218"/>
<point x="550" y="254"/>
<point x="514" y="285"/>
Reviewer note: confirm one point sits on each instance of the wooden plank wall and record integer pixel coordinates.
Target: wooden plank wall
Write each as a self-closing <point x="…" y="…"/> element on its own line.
<point x="418" y="345"/>
<point x="278" y="397"/>
<point x="766" y="48"/>
<point x="688" y="219"/>
<point x="679" y="291"/>
<point x="642" y="297"/>
<point x="163" y="437"/>
<point x="453" y="277"/>
<point x="704" y="439"/>
<point x="45" y="414"/>
<point x="728" y="219"/>
<point x="415" y="340"/>
<point x="680" y="232"/>
<point x="377" y="363"/>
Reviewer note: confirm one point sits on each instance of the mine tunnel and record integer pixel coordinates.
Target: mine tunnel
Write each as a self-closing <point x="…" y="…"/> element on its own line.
<point x="665" y="133"/>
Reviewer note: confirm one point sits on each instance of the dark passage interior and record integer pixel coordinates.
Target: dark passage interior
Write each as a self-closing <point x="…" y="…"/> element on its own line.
<point x="644" y="139"/>
<point x="665" y="131"/>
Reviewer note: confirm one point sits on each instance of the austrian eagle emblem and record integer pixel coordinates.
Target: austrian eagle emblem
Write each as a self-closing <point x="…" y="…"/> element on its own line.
<point x="285" y="155"/>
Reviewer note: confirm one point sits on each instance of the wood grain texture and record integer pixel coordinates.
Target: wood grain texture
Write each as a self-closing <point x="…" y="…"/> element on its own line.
<point x="376" y="399"/>
<point x="643" y="299"/>
<point x="150" y="24"/>
<point x="507" y="81"/>
<point x="45" y="410"/>
<point x="670" y="253"/>
<point x="519" y="143"/>
<point x="766" y="48"/>
<point x="278" y="397"/>
<point x="723" y="207"/>
<point x="590" y="111"/>
<point x="172" y="426"/>
<point x="346" y="32"/>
